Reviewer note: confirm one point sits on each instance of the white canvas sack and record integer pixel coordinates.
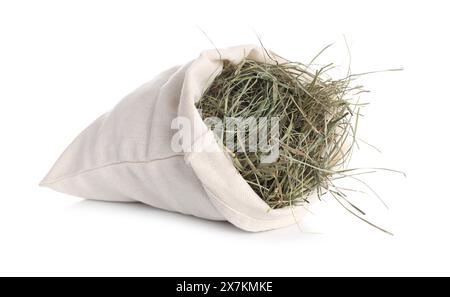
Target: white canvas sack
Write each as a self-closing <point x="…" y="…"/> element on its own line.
<point x="126" y="154"/>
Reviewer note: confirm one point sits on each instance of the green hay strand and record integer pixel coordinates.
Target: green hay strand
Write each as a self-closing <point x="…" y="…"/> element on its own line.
<point x="318" y="119"/>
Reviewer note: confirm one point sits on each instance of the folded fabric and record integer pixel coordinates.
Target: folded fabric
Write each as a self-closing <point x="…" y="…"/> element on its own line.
<point x="127" y="154"/>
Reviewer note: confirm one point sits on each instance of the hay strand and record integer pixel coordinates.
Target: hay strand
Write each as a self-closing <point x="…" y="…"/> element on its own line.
<point x="318" y="120"/>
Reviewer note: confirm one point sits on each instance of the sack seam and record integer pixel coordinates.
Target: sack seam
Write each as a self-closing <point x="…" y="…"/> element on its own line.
<point x="69" y="176"/>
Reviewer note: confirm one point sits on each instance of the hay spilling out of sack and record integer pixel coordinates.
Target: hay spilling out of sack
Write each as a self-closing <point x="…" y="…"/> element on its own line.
<point x="317" y="125"/>
<point x="305" y="153"/>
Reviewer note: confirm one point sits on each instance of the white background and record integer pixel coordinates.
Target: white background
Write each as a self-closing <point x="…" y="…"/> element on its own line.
<point x="64" y="63"/>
